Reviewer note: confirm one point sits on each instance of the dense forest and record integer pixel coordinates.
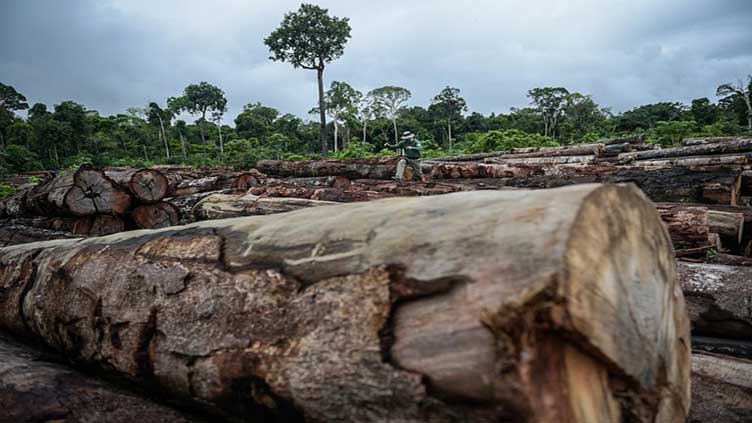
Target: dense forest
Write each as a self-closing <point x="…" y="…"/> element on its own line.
<point x="360" y="123"/>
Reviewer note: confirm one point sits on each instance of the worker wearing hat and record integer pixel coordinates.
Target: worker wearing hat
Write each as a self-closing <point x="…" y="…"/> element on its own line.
<point x="409" y="151"/>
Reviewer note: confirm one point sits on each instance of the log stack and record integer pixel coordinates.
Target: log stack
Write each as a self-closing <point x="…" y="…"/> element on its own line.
<point x="526" y="306"/>
<point x="94" y="202"/>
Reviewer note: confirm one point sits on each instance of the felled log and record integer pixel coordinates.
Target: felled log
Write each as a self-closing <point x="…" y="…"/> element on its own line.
<point x="543" y="160"/>
<point x="613" y="150"/>
<point x="184" y="205"/>
<point x="223" y="206"/>
<point x="391" y="311"/>
<point x="726" y="259"/>
<point x="595" y="150"/>
<point x="155" y="215"/>
<point x="35" y="387"/>
<point x="730" y="226"/>
<point x="687" y="226"/>
<point x="736" y="146"/>
<point x="362" y="168"/>
<point x="55" y="223"/>
<point x="725" y="346"/>
<point x="721" y="389"/>
<point x="341" y="189"/>
<point x="724" y="159"/>
<point x="146" y="185"/>
<point x="17" y="234"/>
<point x="718" y="299"/>
<point x="98" y="225"/>
<point x="633" y="139"/>
<point x="710" y="140"/>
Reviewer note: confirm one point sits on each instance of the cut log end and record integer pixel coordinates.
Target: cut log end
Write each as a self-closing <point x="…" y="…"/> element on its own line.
<point x="93" y="193"/>
<point x="156" y="215"/>
<point x="98" y="225"/>
<point x="149" y="185"/>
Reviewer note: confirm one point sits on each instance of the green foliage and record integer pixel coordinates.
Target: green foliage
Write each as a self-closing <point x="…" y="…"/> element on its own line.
<point x="6" y="190"/>
<point x="309" y="38"/>
<point x="17" y="159"/>
<point x="671" y="133"/>
<point x="355" y="149"/>
<point x="504" y="141"/>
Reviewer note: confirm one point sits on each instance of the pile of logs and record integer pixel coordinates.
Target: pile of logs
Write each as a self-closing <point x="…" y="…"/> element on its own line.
<point x="528" y="306"/>
<point x="94" y="202"/>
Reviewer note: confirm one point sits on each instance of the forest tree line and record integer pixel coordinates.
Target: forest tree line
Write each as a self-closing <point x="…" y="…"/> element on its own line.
<point x="69" y="134"/>
<point x="359" y="123"/>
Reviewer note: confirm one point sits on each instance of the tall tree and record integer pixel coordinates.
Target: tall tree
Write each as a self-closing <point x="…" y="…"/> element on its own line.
<point x="366" y="111"/>
<point x="10" y="102"/>
<point x="309" y="39"/>
<point x="704" y="112"/>
<point x="157" y="115"/>
<point x="389" y="102"/>
<point x="199" y="99"/>
<point x="550" y="102"/>
<point x="449" y="105"/>
<point x="581" y="115"/>
<point x="341" y="100"/>
<point x="740" y="90"/>
<point x="256" y="121"/>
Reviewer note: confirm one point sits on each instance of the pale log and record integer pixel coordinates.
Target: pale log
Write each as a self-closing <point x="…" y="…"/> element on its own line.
<point x="224" y="206"/>
<point x="728" y="159"/>
<point x="710" y="140"/>
<point x="730" y="226"/>
<point x="530" y="306"/>
<point x="735" y="146"/>
<point x="543" y="160"/>
<point x="35" y="387"/>
<point x="721" y="389"/>
<point x="363" y="168"/>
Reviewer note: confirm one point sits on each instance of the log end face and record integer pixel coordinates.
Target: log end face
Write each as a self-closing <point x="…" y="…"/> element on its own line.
<point x="624" y="302"/>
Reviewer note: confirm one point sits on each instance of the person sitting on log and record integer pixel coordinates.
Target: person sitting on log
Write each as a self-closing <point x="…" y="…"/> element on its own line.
<point x="409" y="151"/>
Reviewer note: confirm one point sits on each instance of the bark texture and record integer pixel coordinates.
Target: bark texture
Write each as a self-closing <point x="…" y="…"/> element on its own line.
<point x="35" y="387"/>
<point x="688" y="226"/>
<point x="224" y="206"/>
<point x="515" y="306"/>
<point x="718" y="299"/>
<point x="366" y="168"/>
<point x="735" y="146"/>
<point x="721" y="389"/>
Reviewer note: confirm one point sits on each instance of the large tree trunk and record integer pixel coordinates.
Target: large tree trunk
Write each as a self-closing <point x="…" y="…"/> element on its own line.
<point x="449" y="308"/>
<point x="512" y="160"/>
<point x="688" y="226"/>
<point x="322" y="111"/>
<point x="736" y="146"/>
<point x="721" y="387"/>
<point x="223" y="206"/>
<point x="718" y="299"/>
<point x="35" y="387"/>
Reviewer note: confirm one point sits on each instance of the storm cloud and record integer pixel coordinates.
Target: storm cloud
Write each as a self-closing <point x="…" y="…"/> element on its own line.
<point x="113" y="54"/>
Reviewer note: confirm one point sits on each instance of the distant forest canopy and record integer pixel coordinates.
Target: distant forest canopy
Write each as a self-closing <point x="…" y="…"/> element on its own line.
<point x="70" y="134"/>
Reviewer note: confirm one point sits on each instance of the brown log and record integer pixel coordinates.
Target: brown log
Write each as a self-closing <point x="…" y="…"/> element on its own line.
<point x="55" y="223"/>
<point x="17" y="234"/>
<point x="35" y="387"/>
<point x="155" y="215"/>
<point x="688" y="226"/>
<point x="185" y="204"/>
<point x="730" y="226"/>
<point x="594" y="150"/>
<point x="93" y="192"/>
<point x="721" y="389"/>
<point x="224" y="206"/>
<point x="146" y="185"/>
<point x="727" y="159"/>
<point x="726" y="259"/>
<point x="554" y="306"/>
<point x="343" y="190"/>
<point x="718" y="299"/>
<point x="737" y="146"/>
<point x="725" y="346"/>
<point x="98" y="225"/>
<point x="710" y="140"/>
<point x="365" y="168"/>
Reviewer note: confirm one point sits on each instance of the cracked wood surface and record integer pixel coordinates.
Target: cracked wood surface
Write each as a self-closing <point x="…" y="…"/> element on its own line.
<point x="36" y="387"/>
<point x="224" y="206"/>
<point x="721" y="389"/>
<point x="530" y="306"/>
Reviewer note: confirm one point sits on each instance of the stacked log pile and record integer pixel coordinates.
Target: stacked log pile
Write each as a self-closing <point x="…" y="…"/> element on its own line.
<point x="94" y="202"/>
<point x="527" y="306"/>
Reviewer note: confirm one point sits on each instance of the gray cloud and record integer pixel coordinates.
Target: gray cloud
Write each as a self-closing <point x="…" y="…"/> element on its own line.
<point x="110" y="55"/>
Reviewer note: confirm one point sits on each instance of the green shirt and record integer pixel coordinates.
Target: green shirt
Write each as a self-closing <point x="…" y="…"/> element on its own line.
<point x="408" y="148"/>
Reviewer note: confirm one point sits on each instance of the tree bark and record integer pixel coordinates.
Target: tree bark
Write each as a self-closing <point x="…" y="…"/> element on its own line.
<point x="718" y="299"/>
<point x="146" y="185"/>
<point x="98" y="225"/>
<point x="542" y="160"/>
<point x="730" y="226"/>
<point x="224" y="206"/>
<point x="164" y="137"/>
<point x="721" y="387"/>
<point x="709" y="140"/>
<point x="688" y="226"/>
<point x="36" y="387"/>
<point x="322" y="110"/>
<point x="156" y="215"/>
<point x="19" y="234"/>
<point x="396" y="311"/>
<point x="739" y="146"/>
<point x="365" y="168"/>
<point x="730" y="159"/>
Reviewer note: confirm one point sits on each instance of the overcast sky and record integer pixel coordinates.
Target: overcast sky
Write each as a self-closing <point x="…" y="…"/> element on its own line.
<point x="113" y="54"/>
